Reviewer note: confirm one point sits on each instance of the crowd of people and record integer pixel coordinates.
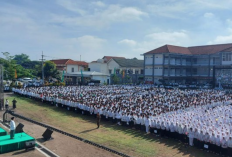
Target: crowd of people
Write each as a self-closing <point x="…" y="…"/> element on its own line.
<point x="202" y="118"/>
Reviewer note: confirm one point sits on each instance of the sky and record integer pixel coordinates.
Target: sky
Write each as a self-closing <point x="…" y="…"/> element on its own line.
<point x="88" y="30"/>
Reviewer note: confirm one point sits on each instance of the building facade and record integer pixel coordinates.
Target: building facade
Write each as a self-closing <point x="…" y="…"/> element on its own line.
<point x="185" y="64"/>
<point x="69" y="65"/>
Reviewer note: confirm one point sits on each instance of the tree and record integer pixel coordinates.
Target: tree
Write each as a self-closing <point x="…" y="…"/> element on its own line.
<point x="22" y="58"/>
<point x="115" y="79"/>
<point x="50" y="70"/>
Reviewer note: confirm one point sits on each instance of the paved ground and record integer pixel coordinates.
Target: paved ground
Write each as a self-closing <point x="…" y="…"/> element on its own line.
<point x="61" y="145"/>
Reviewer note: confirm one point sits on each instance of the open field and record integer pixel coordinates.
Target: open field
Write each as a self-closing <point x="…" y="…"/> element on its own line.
<point x="128" y="141"/>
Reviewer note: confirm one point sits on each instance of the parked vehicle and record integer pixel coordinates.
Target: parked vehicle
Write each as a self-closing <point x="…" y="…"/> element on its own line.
<point x="26" y="80"/>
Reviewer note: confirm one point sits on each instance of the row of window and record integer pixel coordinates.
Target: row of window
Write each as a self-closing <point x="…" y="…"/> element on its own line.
<point x="129" y="71"/>
<point x="227" y="57"/>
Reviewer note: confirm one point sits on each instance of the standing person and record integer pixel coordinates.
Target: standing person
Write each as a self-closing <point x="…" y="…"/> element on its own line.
<point x="14" y="103"/>
<point x="12" y="128"/>
<point x="7" y="104"/>
<point x="98" y="119"/>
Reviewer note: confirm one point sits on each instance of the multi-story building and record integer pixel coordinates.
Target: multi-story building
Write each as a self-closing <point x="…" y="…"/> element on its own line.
<point x="185" y="64"/>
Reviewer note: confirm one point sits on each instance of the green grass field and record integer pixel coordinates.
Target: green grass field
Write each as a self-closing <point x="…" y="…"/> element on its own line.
<point x="128" y="141"/>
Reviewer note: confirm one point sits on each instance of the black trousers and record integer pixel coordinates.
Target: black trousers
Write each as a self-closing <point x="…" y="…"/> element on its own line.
<point x="229" y="151"/>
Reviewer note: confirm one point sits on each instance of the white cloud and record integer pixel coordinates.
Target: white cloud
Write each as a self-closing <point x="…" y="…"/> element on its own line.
<point x="72" y="6"/>
<point x="128" y="42"/>
<point x="99" y="4"/>
<point x="112" y="14"/>
<point x="90" y="42"/>
<point x="220" y="39"/>
<point x="154" y="40"/>
<point x="208" y="15"/>
<point x="176" y="9"/>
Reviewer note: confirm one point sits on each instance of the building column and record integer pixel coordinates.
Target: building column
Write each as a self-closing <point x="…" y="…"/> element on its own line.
<point x="169" y="65"/>
<point x="209" y="66"/>
<point x="143" y="68"/>
<point x="163" y="66"/>
<point x="181" y="70"/>
<point x="153" y="68"/>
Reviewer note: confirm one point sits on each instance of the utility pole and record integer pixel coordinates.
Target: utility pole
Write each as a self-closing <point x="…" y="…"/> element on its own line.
<point x="42" y="68"/>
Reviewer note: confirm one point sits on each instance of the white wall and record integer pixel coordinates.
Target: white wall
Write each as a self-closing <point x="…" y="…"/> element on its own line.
<point x="148" y="59"/>
<point x="148" y="70"/>
<point x="103" y="79"/>
<point x="158" y="58"/>
<point x="99" y="67"/>
<point x="112" y="65"/>
<point x="158" y="70"/>
<point x="76" y="68"/>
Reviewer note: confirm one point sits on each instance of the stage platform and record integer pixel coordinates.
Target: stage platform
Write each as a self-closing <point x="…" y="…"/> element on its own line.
<point x="8" y="145"/>
<point x="2" y="132"/>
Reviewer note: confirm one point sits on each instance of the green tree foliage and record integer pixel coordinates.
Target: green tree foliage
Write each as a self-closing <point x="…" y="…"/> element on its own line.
<point x="22" y="58"/>
<point x="115" y="79"/>
<point x="50" y="70"/>
<point x="24" y="67"/>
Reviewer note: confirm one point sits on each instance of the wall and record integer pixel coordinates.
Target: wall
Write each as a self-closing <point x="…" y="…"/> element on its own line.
<point x="103" y="79"/>
<point x="158" y="58"/>
<point x="158" y="70"/>
<point x="99" y="67"/>
<point x="76" y="68"/>
<point x="148" y="59"/>
<point x="112" y="65"/>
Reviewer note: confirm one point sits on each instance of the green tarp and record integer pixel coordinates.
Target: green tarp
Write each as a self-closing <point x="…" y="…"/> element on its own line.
<point x="8" y="145"/>
<point x="2" y="132"/>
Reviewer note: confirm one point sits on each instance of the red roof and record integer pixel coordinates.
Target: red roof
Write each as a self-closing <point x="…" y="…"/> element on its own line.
<point x="195" y="50"/>
<point x="107" y="58"/>
<point x="69" y="62"/>
<point x="60" y="61"/>
<point x="209" y="49"/>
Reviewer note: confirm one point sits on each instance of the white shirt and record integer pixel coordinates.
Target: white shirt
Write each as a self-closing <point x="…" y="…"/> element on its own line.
<point x="12" y="125"/>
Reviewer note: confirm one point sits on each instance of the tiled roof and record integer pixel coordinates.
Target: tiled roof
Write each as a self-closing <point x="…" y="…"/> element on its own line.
<point x="129" y="62"/>
<point x="69" y="62"/>
<point x="60" y="61"/>
<point x="209" y="49"/>
<point x="195" y="50"/>
<point x="107" y="58"/>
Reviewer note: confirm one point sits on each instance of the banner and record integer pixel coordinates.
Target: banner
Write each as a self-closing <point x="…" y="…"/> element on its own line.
<point x="16" y="74"/>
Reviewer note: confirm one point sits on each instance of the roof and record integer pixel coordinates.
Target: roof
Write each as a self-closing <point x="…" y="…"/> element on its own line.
<point x="60" y="61"/>
<point x="107" y="58"/>
<point x="195" y="50"/>
<point x="86" y="73"/>
<point x="69" y="62"/>
<point x="209" y="49"/>
<point x="129" y="62"/>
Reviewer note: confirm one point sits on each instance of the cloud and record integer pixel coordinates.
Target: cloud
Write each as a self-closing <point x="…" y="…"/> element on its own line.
<point x="100" y="19"/>
<point x="128" y="42"/>
<point x="208" y="15"/>
<point x="176" y="9"/>
<point x="220" y="39"/>
<point x="71" y="6"/>
<point x="158" y="39"/>
<point x="99" y="4"/>
<point x="90" y="42"/>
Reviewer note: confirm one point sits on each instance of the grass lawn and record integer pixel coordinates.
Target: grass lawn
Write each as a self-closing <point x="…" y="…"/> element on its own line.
<point x="128" y="141"/>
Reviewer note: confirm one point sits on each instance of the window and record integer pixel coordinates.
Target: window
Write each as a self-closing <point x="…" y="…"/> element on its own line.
<point x="226" y="56"/>
<point x="141" y="71"/>
<point x="72" y="69"/>
<point x="110" y="71"/>
<point x="136" y="72"/>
